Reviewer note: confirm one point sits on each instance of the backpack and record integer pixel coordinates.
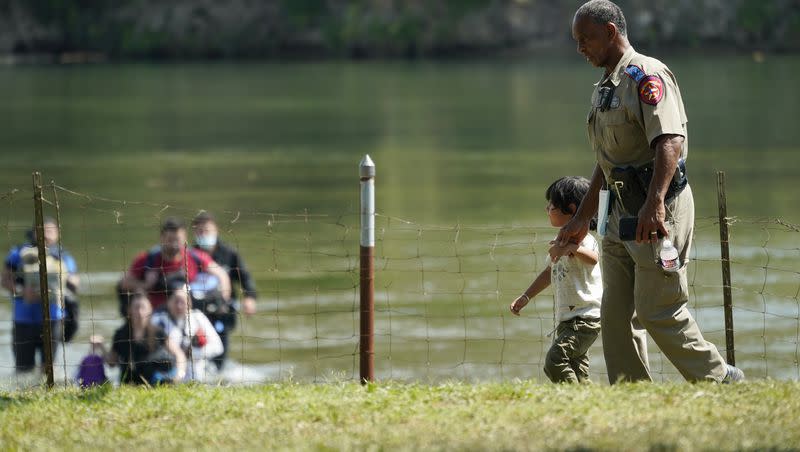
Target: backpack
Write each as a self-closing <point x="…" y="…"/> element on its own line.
<point x="124" y="296"/>
<point x="206" y="296"/>
<point x="158" y="367"/>
<point x="91" y="371"/>
<point x="71" y="315"/>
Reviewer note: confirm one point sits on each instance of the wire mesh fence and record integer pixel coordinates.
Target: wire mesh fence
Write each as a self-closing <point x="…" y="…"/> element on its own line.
<point x="441" y="292"/>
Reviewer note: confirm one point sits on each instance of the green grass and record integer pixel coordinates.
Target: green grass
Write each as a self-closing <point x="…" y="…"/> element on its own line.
<point x="347" y="416"/>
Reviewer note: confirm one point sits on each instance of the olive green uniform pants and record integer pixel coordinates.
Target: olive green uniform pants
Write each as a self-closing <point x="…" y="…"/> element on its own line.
<point x="639" y="297"/>
<point x="566" y="361"/>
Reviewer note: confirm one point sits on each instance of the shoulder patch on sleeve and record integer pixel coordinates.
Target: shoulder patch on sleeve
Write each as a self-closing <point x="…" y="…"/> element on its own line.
<point x="651" y="89"/>
<point x="635" y="72"/>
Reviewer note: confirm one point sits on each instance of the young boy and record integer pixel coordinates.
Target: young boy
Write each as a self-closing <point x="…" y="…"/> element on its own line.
<point x="575" y="275"/>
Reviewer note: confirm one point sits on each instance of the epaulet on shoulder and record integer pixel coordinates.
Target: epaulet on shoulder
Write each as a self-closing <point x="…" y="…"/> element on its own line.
<point x="649" y="84"/>
<point x="648" y="65"/>
<point x="635" y="72"/>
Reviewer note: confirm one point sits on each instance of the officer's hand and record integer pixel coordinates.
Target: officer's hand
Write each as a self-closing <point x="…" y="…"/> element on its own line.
<point x="556" y="250"/>
<point x="651" y="221"/>
<point x="572" y="232"/>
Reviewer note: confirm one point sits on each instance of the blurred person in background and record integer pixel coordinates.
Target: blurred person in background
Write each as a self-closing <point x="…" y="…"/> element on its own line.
<point x="151" y="270"/>
<point x="223" y="316"/>
<point x="20" y="276"/>
<point x="190" y="329"/>
<point x="637" y="128"/>
<point x="142" y="349"/>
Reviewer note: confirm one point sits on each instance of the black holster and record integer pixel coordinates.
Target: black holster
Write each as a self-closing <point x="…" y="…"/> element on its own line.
<point x="630" y="184"/>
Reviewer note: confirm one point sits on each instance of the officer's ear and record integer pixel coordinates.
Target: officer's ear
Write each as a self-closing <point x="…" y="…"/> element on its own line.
<point x="611" y="31"/>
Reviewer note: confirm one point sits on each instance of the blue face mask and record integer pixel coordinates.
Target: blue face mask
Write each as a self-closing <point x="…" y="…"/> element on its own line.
<point x="207" y="241"/>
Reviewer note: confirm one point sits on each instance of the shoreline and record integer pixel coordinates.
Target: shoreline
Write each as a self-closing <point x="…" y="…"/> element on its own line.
<point x="509" y="54"/>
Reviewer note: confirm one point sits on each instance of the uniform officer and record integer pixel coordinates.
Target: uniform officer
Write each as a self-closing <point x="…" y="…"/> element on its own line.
<point x="637" y="121"/>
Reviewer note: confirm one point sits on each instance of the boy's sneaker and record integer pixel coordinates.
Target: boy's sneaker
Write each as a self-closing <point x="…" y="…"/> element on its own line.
<point x="734" y="375"/>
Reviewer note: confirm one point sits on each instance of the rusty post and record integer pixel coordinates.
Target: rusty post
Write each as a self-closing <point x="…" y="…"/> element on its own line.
<point x="367" y="271"/>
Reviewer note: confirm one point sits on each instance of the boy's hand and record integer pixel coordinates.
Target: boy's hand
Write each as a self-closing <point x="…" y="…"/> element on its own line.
<point x="519" y="303"/>
<point x="557" y="250"/>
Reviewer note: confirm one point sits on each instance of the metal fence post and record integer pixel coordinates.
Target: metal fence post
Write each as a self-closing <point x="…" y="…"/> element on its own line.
<point x="367" y="270"/>
<point x="724" y="242"/>
<point x="47" y="333"/>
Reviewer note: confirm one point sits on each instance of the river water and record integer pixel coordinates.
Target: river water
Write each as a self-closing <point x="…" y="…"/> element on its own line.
<point x="464" y="151"/>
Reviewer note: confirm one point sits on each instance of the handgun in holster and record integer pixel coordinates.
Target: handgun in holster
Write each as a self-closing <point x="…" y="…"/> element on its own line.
<point x="630" y="184"/>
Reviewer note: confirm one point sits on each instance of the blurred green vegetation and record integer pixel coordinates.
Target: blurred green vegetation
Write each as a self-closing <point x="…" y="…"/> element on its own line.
<point x="369" y="28"/>
<point x="768" y="21"/>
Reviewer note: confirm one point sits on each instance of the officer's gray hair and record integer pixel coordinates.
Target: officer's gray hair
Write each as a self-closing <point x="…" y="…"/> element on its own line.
<point x="603" y="12"/>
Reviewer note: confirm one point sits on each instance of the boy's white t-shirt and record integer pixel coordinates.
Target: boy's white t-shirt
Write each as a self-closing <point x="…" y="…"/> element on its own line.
<point x="578" y="286"/>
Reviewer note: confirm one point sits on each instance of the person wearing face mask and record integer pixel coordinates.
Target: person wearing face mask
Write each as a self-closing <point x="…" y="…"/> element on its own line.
<point x="206" y="236"/>
<point x="189" y="328"/>
<point x="172" y="259"/>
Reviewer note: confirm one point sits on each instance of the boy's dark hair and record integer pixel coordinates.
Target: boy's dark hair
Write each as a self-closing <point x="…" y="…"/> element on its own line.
<point x="172" y="224"/>
<point x="569" y="190"/>
<point x="203" y="217"/>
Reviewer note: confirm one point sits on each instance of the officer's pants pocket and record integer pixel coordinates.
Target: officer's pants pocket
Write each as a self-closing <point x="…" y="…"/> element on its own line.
<point x="657" y="290"/>
<point x="674" y="287"/>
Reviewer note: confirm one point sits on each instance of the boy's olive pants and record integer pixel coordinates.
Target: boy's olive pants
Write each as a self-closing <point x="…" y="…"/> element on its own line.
<point x="640" y="297"/>
<point x="566" y="361"/>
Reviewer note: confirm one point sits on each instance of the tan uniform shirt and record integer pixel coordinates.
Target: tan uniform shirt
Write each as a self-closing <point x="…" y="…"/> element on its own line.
<point x="646" y="103"/>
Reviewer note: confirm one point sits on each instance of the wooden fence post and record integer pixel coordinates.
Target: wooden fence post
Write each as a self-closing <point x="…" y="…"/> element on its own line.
<point x="47" y="332"/>
<point x="724" y="241"/>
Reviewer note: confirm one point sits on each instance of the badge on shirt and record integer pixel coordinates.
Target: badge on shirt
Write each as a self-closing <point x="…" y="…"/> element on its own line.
<point x="651" y="89"/>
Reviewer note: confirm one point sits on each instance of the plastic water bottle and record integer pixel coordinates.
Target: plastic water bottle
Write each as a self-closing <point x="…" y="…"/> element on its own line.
<point x="669" y="256"/>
